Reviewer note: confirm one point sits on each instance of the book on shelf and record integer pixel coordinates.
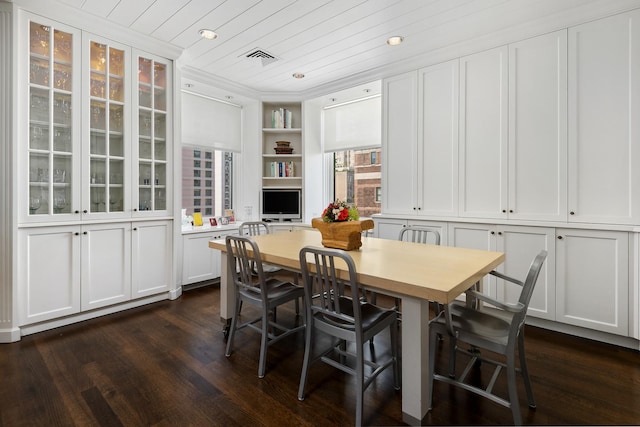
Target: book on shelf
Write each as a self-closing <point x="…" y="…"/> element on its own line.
<point x="282" y="169"/>
<point x="281" y="118"/>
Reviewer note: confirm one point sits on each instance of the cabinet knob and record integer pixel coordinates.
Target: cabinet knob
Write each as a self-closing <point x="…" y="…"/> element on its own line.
<point x="135" y="209"/>
<point x="76" y="233"/>
<point x="504" y="211"/>
<point x="85" y="211"/>
<point x="135" y="228"/>
<point x="499" y="233"/>
<point x="572" y="213"/>
<point x="559" y="237"/>
<point x="414" y="208"/>
<point x="85" y="232"/>
<point x="77" y="212"/>
<point x="510" y="210"/>
<point x="493" y="233"/>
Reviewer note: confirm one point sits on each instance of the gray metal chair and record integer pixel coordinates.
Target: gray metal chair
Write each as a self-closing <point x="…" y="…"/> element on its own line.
<point x="257" y="228"/>
<point x="335" y="307"/>
<point x="267" y="293"/>
<point x="499" y="330"/>
<point x="420" y="234"/>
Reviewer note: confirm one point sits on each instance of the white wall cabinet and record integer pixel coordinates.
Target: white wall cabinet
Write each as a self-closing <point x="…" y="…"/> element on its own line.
<point x="399" y="143"/>
<point x="152" y="257"/>
<point x="199" y="262"/>
<point x="592" y="279"/>
<point x="537" y="176"/>
<point x="105" y="265"/>
<point x="49" y="268"/>
<point x="483" y="134"/>
<point x="604" y="130"/>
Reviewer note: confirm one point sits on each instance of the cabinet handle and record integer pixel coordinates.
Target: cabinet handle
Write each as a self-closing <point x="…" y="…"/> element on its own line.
<point x="572" y="213"/>
<point x="499" y="233"/>
<point x="559" y="237"/>
<point x="77" y="212"/>
<point x="414" y="208"/>
<point x="85" y="232"/>
<point x="504" y="211"/>
<point x="493" y="233"/>
<point x="76" y="233"/>
<point x="135" y="209"/>
<point x="135" y="228"/>
<point x="419" y="208"/>
<point x="85" y="211"/>
<point x="510" y="210"/>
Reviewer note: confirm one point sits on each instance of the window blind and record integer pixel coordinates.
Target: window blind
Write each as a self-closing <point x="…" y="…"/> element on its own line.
<point x="353" y="126"/>
<point x="210" y="122"/>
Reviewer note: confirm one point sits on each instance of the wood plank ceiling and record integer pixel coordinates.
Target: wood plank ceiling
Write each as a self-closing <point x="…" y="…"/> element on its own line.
<point x="327" y="40"/>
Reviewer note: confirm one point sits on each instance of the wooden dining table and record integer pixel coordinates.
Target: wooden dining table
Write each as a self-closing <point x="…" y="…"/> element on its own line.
<point x="417" y="273"/>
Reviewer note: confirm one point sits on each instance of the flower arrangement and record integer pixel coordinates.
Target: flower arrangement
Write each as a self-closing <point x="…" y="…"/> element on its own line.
<point x="339" y="211"/>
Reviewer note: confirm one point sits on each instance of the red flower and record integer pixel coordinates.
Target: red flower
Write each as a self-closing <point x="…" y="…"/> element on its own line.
<point x="343" y="215"/>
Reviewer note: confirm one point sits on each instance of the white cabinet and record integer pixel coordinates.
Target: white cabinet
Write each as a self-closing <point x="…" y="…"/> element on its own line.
<point x="152" y="257"/>
<point x="521" y="245"/>
<point x="604" y="130"/>
<point x="105" y="265"/>
<point x="399" y="143"/>
<point x="49" y="268"/>
<point x="437" y="148"/>
<point x="537" y="177"/>
<point x="199" y="261"/>
<point x="420" y="142"/>
<point x="475" y="236"/>
<point x="592" y="279"/>
<point x="483" y="134"/>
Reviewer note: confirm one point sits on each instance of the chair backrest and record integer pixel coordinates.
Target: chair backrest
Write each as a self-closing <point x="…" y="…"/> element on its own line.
<point x="243" y="264"/>
<point x="254" y="228"/>
<point x="325" y="292"/>
<point x="419" y="234"/>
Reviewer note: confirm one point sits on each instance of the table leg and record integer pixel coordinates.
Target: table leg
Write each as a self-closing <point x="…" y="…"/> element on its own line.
<point x="227" y="294"/>
<point x="415" y="354"/>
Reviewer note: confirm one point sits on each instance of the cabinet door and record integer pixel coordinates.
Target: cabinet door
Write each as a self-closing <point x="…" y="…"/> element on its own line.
<point x="107" y="128"/>
<point x="106" y="265"/>
<point x="438" y="139"/>
<point x="399" y="144"/>
<point x="151" y="258"/>
<point x="386" y="228"/>
<point x="483" y="134"/>
<point x="49" y="271"/>
<point x="475" y="236"/>
<point x="199" y="262"/>
<point x="604" y="130"/>
<point x="50" y="123"/>
<point x="152" y="147"/>
<point x="538" y="128"/>
<point x="521" y="245"/>
<point x="593" y="279"/>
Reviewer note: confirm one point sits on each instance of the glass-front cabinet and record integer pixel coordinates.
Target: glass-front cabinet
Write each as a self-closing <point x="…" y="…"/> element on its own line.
<point x="107" y="84"/>
<point x="97" y="138"/>
<point x="152" y="150"/>
<point x="52" y="161"/>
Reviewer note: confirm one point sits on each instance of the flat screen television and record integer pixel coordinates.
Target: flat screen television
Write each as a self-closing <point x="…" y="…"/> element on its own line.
<point x="281" y="205"/>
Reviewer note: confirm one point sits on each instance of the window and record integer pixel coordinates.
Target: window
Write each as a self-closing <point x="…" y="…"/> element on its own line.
<point x="357" y="179"/>
<point x="210" y="196"/>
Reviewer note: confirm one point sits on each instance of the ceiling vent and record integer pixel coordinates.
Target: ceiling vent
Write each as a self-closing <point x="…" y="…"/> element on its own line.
<point x="265" y="57"/>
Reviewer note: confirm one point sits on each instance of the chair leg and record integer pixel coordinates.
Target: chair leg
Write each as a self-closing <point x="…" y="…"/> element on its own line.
<point x="433" y="339"/>
<point x="234" y="322"/>
<point x="452" y="356"/>
<point x="393" y="331"/>
<point x="308" y="338"/>
<point x="513" y="391"/>
<point x="263" y="345"/>
<point x="525" y="371"/>
<point x="359" y="387"/>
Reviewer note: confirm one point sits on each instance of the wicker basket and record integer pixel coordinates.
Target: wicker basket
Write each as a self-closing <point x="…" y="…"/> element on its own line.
<point x="346" y="235"/>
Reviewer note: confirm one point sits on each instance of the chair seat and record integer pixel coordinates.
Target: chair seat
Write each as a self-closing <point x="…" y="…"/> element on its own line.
<point x="276" y="289"/>
<point x="371" y="315"/>
<point x="472" y="325"/>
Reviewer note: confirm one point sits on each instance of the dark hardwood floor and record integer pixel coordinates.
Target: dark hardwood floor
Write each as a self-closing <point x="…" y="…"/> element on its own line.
<point x="164" y="365"/>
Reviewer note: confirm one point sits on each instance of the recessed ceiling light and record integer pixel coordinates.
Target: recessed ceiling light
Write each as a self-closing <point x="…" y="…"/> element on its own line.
<point x="188" y="85"/>
<point x="395" y="40"/>
<point x="298" y="75"/>
<point x="333" y="99"/>
<point x="366" y="90"/>
<point x="229" y="97"/>
<point x="208" y="34"/>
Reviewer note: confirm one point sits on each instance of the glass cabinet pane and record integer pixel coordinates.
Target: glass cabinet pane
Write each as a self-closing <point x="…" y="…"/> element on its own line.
<point x="50" y="137"/>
